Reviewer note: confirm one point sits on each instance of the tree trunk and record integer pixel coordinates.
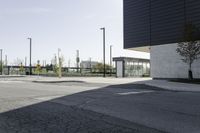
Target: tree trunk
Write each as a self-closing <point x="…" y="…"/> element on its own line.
<point x="190" y="74"/>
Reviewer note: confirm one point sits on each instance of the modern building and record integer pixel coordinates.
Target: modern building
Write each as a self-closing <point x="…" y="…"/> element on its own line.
<point x="132" y="67"/>
<point x="156" y="26"/>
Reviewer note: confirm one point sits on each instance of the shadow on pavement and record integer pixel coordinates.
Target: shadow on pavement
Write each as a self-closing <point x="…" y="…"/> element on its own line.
<point x="68" y="115"/>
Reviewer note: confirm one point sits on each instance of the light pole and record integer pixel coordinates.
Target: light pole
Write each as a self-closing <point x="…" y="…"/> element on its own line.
<point x="60" y="64"/>
<point x="90" y="59"/>
<point x="6" y="60"/>
<point x="1" y="50"/>
<point x="25" y="62"/>
<point x="77" y="60"/>
<point x="104" y="56"/>
<point x="110" y="60"/>
<point x="30" y="66"/>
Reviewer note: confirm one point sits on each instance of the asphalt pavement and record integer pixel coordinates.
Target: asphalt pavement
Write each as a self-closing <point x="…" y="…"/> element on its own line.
<point x="96" y="107"/>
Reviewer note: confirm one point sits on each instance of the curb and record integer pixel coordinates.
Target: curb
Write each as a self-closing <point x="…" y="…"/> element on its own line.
<point x="64" y="81"/>
<point x="12" y="76"/>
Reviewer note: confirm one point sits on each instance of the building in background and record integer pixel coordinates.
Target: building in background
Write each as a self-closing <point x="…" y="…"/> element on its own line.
<point x="88" y="64"/>
<point x="132" y="67"/>
<point x="156" y="26"/>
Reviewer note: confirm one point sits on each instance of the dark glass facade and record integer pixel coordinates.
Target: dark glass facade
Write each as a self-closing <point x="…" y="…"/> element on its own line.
<point x="155" y="22"/>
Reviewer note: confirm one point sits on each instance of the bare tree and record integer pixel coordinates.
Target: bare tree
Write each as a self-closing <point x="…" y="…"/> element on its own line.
<point x="189" y="49"/>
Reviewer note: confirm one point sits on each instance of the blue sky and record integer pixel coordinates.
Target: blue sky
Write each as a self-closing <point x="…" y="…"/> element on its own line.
<point x="65" y="24"/>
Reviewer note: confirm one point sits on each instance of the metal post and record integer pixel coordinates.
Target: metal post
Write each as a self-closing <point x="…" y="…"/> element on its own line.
<point x="60" y="67"/>
<point x="1" y="50"/>
<point x="90" y="59"/>
<point x="104" y="60"/>
<point x="90" y="64"/>
<point x="110" y="60"/>
<point x="69" y="63"/>
<point x="30" y="65"/>
<point x="77" y="60"/>
<point x="59" y="64"/>
<point x="6" y="60"/>
<point x="25" y="61"/>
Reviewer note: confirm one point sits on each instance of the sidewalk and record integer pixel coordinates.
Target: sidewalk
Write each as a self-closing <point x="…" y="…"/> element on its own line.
<point x="107" y="80"/>
<point x="174" y="86"/>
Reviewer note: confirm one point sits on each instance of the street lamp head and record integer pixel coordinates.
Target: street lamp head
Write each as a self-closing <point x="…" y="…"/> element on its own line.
<point x="102" y="28"/>
<point x="29" y="38"/>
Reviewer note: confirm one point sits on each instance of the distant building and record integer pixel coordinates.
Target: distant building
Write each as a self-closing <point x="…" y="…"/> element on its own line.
<point x="132" y="67"/>
<point x="88" y="64"/>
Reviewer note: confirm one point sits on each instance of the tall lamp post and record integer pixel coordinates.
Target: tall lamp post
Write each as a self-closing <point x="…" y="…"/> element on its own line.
<point x="104" y="56"/>
<point x="110" y="60"/>
<point x="30" y="65"/>
<point x="77" y="60"/>
<point x="1" y="50"/>
<point x="25" y="63"/>
<point x="6" y="60"/>
<point x="59" y="64"/>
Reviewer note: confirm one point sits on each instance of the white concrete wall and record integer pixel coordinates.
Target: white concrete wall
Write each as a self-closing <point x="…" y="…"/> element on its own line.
<point x="119" y="68"/>
<point x="167" y="63"/>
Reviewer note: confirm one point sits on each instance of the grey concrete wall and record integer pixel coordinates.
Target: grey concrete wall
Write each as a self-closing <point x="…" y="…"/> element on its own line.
<point x="167" y="63"/>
